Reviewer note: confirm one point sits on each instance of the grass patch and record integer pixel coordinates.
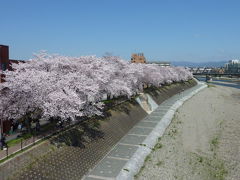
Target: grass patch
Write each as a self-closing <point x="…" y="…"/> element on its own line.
<point x="210" y="85"/>
<point x="44" y="128"/>
<point x="221" y="124"/>
<point x="210" y="167"/>
<point x="157" y="146"/>
<point x="214" y="143"/>
<point x="200" y="159"/>
<point x="19" y="139"/>
<point x="179" y="122"/>
<point x="141" y="169"/>
<point x="172" y="132"/>
<point x="148" y="158"/>
<point x="159" y="163"/>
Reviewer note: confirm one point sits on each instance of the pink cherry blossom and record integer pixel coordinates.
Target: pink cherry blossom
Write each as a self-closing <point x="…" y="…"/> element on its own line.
<point x="69" y="87"/>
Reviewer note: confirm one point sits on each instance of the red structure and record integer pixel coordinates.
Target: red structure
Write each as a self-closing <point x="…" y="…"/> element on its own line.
<point x="4" y="60"/>
<point x="4" y="57"/>
<point x="5" y="64"/>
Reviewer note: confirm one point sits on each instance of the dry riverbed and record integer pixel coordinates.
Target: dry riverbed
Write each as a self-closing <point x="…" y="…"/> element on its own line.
<point x="202" y="142"/>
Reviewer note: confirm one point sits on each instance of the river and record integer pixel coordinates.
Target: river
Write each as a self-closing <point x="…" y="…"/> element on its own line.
<point x="233" y="82"/>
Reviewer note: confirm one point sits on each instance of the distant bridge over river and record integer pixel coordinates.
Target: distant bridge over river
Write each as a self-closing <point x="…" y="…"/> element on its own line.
<point x="217" y="74"/>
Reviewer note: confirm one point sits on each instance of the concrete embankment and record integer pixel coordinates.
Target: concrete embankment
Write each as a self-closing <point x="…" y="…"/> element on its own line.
<point x="126" y="157"/>
<point x="202" y="142"/>
<point x="82" y="147"/>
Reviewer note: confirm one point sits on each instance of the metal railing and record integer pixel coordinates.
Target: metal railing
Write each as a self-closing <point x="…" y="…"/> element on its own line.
<point x="25" y="143"/>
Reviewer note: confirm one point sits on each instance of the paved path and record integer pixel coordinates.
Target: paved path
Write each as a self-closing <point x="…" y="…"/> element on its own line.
<point x="21" y="145"/>
<point x="113" y="164"/>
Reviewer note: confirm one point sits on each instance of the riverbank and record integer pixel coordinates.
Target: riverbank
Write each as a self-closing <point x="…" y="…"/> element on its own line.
<point x="72" y="153"/>
<point x="202" y="142"/>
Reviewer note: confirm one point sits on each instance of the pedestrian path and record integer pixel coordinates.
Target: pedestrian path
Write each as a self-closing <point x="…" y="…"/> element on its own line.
<point x="127" y="156"/>
<point x="22" y="144"/>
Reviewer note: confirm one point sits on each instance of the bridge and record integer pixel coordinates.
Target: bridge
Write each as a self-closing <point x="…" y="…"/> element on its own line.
<point x="216" y="74"/>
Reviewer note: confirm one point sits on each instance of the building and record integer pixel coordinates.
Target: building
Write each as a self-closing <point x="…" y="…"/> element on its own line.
<point x="138" y="58"/>
<point x="233" y="66"/>
<point x="5" y="62"/>
<point x="161" y="63"/>
<point x="4" y="57"/>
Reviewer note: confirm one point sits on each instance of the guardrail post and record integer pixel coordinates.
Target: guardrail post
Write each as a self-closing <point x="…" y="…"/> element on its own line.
<point x="21" y="144"/>
<point x="7" y="151"/>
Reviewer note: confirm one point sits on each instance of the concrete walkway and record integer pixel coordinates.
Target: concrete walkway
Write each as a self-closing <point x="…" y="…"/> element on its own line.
<point x="127" y="157"/>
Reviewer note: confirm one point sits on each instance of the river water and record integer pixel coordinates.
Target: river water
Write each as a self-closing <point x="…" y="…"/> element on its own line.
<point x="234" y="82"/>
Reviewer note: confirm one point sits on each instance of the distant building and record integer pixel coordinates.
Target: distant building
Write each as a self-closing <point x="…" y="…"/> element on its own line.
<point x="219" y="70"/>
<point x="4" y="57"/>
<point x="5" y="62"/>
<point x="161" y="63"/>
<point x="138" y="58"/>
<point x="233" y="66"/>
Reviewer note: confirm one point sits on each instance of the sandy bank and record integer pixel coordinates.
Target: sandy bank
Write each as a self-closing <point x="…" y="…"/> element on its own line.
<point x="202" y="141"/>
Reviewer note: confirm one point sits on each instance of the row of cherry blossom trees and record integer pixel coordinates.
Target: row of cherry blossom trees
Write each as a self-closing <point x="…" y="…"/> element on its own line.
<point x="69" y="87"/>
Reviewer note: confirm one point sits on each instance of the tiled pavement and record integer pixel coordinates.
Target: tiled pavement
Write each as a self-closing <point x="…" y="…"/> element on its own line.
<point x="110" y="166"/>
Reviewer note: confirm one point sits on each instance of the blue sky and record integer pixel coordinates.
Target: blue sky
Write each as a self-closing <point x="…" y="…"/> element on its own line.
<point x="174" y="30"/>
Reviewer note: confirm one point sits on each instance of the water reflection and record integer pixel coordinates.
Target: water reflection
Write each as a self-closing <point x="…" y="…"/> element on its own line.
<point x="227" y="84"/>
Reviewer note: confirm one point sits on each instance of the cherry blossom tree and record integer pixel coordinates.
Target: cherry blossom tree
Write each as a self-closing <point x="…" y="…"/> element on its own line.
<point x="70" y="87"/>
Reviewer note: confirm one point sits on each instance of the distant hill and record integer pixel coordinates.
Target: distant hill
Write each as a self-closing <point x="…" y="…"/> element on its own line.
<point x="199" y="64"/>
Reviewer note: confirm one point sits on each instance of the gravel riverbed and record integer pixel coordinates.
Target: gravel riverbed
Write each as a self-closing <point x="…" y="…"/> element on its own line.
<point x="202" y="142"/>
